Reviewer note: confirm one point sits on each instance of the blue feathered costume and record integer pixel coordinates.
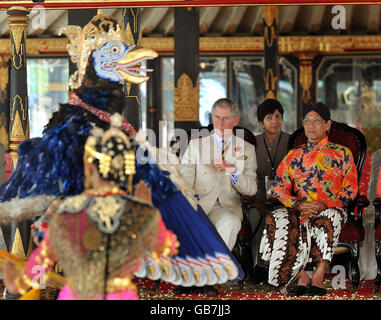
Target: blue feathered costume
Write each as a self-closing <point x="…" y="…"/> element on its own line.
<point x="51" y="167"/>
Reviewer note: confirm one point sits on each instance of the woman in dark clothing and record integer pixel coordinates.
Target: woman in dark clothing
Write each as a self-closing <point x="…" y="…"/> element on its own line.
<point x="270" y="150"/>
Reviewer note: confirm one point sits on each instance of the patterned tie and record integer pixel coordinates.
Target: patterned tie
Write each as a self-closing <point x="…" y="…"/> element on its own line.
<point x="223" y="150"/>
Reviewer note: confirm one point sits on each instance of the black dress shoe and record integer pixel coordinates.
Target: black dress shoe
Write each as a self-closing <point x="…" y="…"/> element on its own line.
<point x="297" y="291"/>
<point x="208" y="291"/>
<point x="185" y="290"/>
<point x="260" y="275"/>
<point x="315" y="291"/>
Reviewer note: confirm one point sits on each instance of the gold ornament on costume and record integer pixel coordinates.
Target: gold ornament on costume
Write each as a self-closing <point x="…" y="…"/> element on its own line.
<point x="106" y="212"/>
<point x="114" y="153"/>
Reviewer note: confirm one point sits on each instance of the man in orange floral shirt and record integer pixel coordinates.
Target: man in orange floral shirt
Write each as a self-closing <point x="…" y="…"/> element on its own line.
<point x="314" y="182"/>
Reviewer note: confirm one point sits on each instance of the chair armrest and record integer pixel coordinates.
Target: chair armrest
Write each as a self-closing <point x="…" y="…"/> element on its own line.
<point x="377" y="209"/>
<point x="360" y="202"/>
<point x="249" y="202"/>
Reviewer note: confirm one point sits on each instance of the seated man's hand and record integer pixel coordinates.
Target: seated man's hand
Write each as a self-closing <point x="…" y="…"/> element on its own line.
<point x="10" y="274"/>
<point x="221" y="165"/>
<point x="310" y="209"/>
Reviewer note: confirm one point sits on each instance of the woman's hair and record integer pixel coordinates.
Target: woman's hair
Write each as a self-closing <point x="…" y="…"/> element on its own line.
<point x="227" y="103"/>
<point x="268" y="106"/>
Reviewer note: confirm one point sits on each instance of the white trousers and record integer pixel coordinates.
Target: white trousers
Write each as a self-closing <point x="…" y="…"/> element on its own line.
<point x="227" y="222"/>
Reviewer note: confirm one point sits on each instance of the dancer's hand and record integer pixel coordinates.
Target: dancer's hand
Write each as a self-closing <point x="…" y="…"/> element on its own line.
<point x="143" y="192"/>
<point x="10" y="274"/>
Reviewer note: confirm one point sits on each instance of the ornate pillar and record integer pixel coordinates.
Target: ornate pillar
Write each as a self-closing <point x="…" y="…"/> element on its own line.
<point x="154" y="98"/>
<point x="186" y="100"/>
<point x="20" y="240"/>
<point x="306" y="81"/>
<point x="4" y="101"/>
<point x="133" y="110"/>
<point x="18" y="103"/>
<point x="4" y="122"/>
<point x="270" y="23"/>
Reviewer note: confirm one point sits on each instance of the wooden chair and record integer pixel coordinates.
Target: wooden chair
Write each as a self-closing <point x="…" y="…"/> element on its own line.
<point x="353" y="231"/>
<point x="242" y="248"/>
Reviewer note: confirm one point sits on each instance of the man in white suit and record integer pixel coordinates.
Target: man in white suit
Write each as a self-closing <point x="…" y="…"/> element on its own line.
<point x="220" y="168"/>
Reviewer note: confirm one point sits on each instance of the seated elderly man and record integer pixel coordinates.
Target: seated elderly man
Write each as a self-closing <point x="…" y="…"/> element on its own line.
<point x="314" y="182"/>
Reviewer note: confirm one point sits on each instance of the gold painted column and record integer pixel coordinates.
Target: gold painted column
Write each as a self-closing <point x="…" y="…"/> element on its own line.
<point x="133" y="110"/>
<point x="18" y="103"/>
<point x="270" y="23"/>
<point x="186" y="95"/>
<point x="20" y="243"/>
<point x="4" y="124"/>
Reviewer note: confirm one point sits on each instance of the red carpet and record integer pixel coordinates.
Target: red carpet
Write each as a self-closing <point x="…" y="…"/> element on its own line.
<point x="231" y="291"/>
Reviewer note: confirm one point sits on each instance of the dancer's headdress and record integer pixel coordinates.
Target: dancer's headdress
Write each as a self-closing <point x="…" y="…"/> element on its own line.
<point x="112" y="152"/>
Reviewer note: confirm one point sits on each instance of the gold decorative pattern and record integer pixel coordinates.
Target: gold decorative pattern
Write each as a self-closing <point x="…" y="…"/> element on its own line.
<point x="270" y="16"/>
<point x="17" y="131"/>
<point x="270" y="36"/>
<point x="186" y="99"/>
<point x="270" y="84"/>
<point x="270" y="13"/>
<point x="17" y="246"/>
<point x="306" y="66"/>
<point x="17" y="33"/>
<point x="14" y="155"/>
<point x="129" y="36"/>
<point x="286" y="44"/>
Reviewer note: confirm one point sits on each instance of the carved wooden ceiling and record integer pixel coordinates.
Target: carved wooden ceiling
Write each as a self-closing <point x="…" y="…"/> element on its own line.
<point x="228" y="21"/>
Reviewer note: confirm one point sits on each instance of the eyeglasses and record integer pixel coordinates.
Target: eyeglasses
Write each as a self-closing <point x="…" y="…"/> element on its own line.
<point x="312" y="121"/>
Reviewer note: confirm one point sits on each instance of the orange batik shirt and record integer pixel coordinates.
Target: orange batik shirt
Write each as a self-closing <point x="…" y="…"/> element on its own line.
<point x="322" y="171"/>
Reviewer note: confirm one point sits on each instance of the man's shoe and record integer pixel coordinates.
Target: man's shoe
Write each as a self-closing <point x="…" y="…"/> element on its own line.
<point x="209" y="291"/>
<point x="184" y="290"/>
<point x="315" y="291"/>
<point x="261" y="275"/>
<point x="297" y="291"/>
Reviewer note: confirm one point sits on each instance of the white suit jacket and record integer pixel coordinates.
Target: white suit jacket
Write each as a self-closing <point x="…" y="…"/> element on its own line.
<point x="198" y="172"/>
